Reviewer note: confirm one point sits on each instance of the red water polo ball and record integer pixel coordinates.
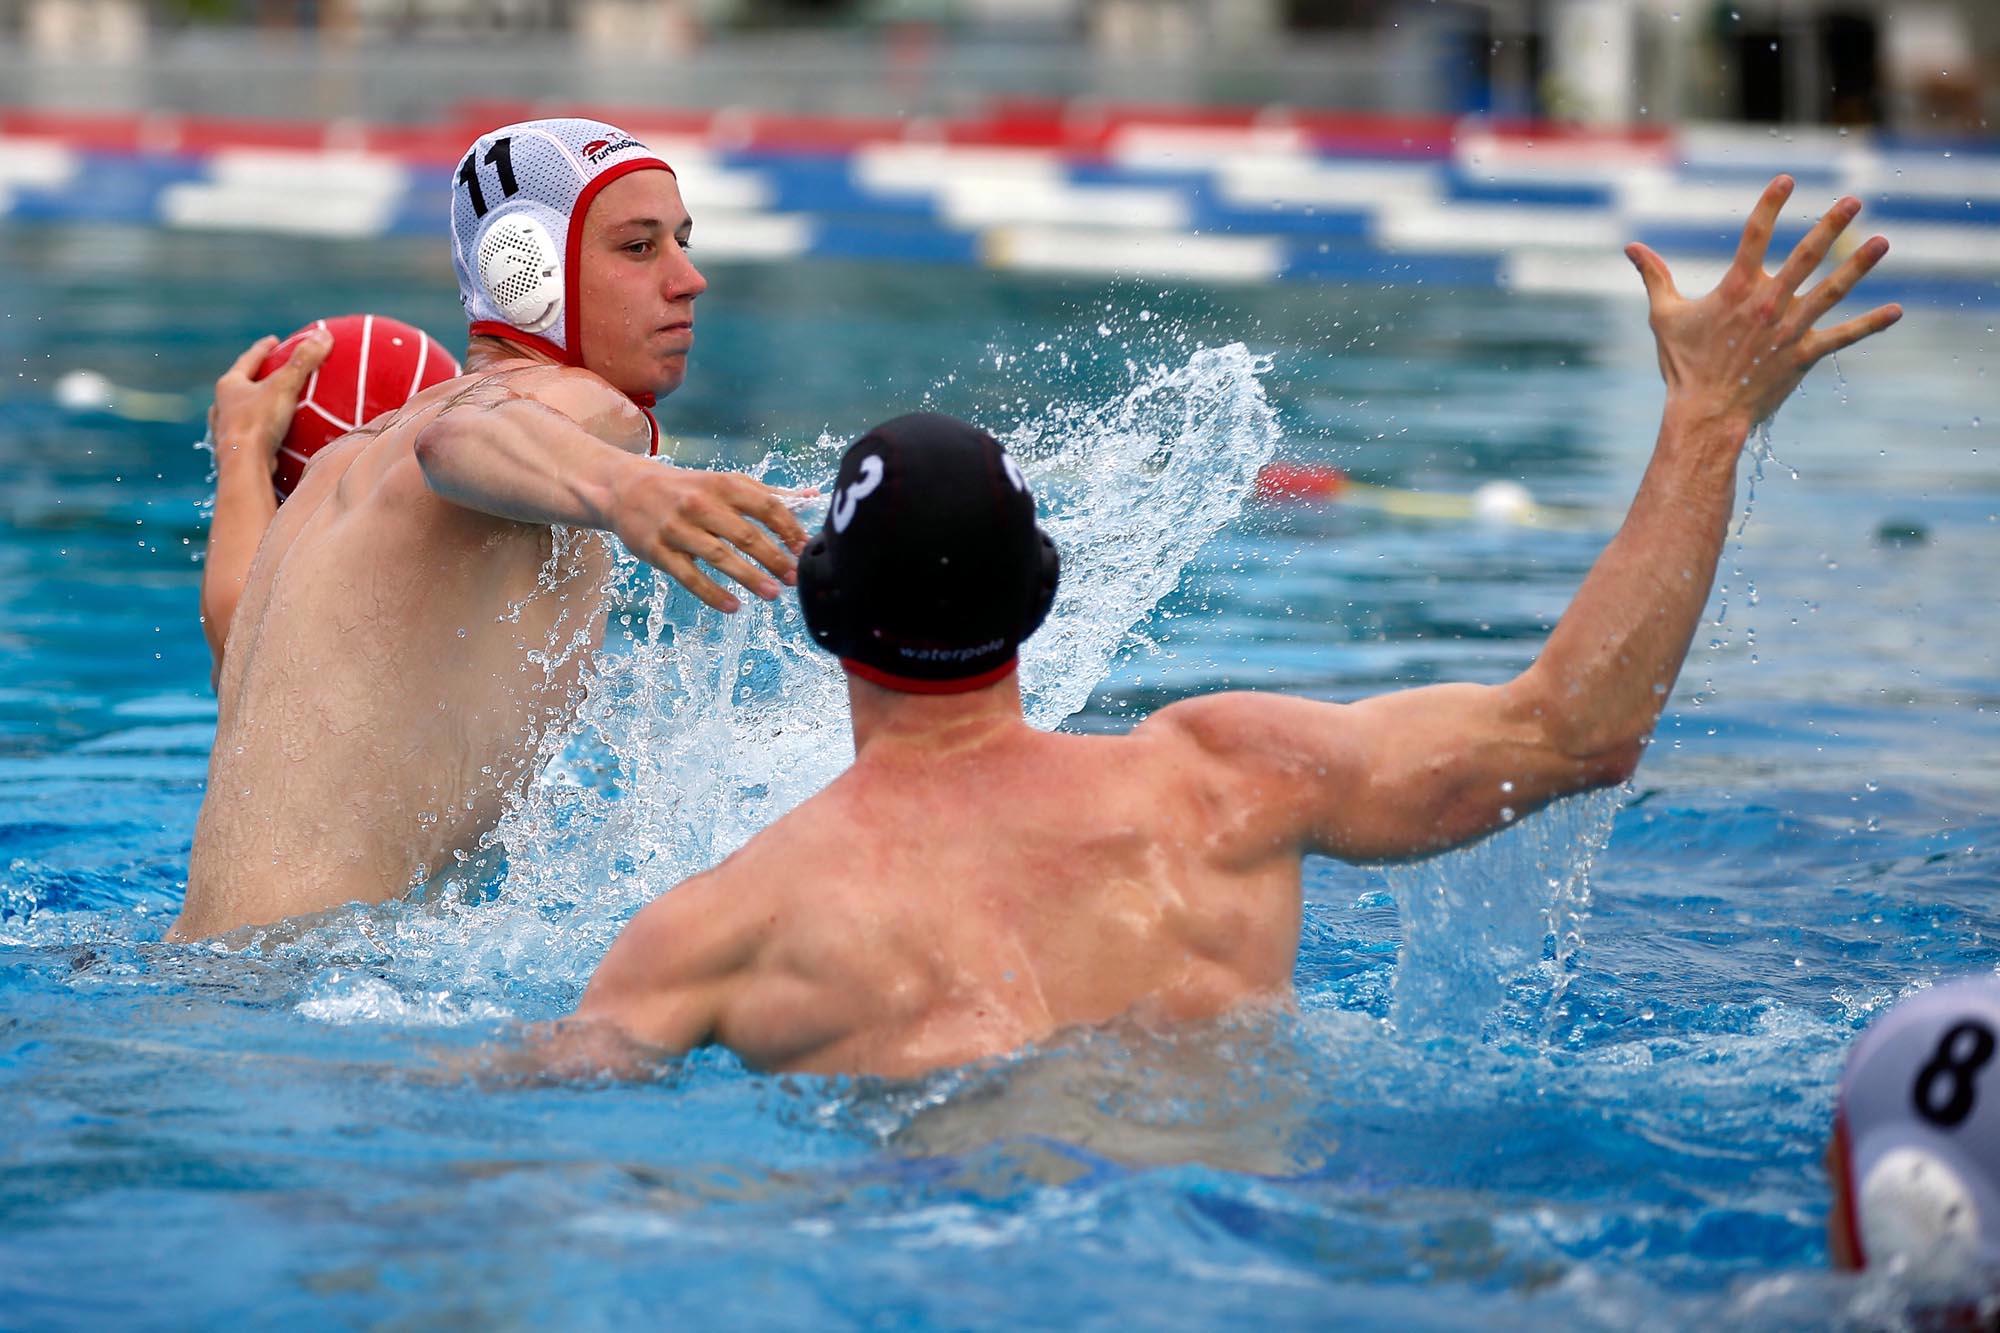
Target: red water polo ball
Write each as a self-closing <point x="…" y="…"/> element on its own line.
<point x="377" y="364"/>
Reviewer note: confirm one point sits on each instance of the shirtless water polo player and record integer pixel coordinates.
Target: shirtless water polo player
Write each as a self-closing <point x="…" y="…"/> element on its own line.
<point x="387" y="675"/>
<point x="971" y="884"/>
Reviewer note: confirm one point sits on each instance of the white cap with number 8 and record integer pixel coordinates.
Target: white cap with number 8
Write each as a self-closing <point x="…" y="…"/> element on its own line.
<point x="1918" y="1130"/>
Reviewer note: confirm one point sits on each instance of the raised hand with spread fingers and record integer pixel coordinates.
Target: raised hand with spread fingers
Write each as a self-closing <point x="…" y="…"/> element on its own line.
<point x="1733" y="356"/>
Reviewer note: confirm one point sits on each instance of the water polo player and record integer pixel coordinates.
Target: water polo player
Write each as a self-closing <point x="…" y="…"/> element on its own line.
<point x="390" y="670"/>
<point x="1915" y="1159"/>
<point x="970" y="884"/>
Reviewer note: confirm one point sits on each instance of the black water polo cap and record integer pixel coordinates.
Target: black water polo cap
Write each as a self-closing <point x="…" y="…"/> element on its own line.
<point x="930" y="571"/>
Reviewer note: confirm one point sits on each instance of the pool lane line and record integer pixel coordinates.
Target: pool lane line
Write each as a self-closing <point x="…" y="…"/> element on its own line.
<point x="1501" y="503"/>
<point x="88" y="391"/>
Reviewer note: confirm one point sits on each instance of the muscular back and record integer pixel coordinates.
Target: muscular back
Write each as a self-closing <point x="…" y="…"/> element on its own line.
<point x="933" y="908"/>
<point x="970" y="884"/>
<point x="391" y="667"/>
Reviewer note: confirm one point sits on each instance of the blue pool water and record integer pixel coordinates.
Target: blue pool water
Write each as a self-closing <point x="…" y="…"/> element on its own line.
<point x="1454" y="1131"/>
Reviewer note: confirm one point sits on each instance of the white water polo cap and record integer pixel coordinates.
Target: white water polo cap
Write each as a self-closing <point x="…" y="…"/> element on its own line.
<point x="517" y="209"/>
<point x="1918" y="1129"/>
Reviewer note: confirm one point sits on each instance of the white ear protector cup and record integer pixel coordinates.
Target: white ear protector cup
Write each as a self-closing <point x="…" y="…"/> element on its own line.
<point x="521" y="269"/>
<point x="1915" y="1207"/>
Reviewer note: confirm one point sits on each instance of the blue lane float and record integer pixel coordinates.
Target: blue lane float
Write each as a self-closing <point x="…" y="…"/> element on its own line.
<point x="1520" y="214"/>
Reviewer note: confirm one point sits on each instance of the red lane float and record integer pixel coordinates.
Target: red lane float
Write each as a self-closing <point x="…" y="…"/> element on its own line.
<point x="1279" y="483"/>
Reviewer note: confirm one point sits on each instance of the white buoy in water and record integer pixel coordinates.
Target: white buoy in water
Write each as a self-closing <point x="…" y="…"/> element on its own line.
<point x="84" y="391"/>
<point x="1503" y="502"/>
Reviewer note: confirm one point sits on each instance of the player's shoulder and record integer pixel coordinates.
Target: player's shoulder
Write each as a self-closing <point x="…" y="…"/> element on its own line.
<point x="1269" y="741"/>
<point x="669" y="935"/>
<point x="578" y="394"/>
<point x="1228" y="721"/>
<point x="789" y="853"/>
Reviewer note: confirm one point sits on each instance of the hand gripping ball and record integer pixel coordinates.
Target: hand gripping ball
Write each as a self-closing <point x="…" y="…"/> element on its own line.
<point x="376" y="365"/>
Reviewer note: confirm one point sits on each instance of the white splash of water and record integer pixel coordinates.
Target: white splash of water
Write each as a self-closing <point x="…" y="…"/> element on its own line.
<point x="345" y="999"/>
<point x="1496" y="925"/>
<point x="699" y="729"/>
<point x="1132" y="491"/>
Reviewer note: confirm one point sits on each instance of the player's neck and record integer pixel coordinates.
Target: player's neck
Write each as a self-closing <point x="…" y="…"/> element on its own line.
<point x="487" y="352"/>
<point x="888" y="721"/>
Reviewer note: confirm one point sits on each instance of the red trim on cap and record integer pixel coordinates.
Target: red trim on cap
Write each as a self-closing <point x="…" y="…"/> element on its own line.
<point x="911" y="685"/>
<point x="1847" y="1208"/>
<point x="493" y="328"/>
<point x="573" y="250"/>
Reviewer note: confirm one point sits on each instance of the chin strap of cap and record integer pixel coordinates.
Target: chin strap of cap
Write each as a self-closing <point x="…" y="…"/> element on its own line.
<point x="1847" y="1195"/>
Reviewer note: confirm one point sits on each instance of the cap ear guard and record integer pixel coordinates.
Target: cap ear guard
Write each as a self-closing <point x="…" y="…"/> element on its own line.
<point x="1044" y="595"/>
<point x="819" y="597"/>
<point x="520" y="269"/>
<point x="1913" y="1206"/>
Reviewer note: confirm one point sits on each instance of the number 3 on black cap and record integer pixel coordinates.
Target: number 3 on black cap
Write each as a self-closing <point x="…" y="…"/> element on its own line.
<point x="860" y="489"/>
<point x="1945" y="1087"/>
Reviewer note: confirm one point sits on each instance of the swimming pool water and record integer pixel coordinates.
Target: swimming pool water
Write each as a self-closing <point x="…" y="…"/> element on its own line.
<point x="268" y="1135"/>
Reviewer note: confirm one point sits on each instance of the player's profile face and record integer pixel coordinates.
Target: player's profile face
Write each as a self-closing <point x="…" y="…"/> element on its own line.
<point x="636" y="284"/>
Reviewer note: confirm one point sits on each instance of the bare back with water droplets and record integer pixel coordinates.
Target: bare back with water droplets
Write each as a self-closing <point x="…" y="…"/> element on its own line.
<point x="932" y="908"/>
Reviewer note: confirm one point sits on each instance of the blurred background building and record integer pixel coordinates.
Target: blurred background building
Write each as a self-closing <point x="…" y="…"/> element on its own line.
<point x="1908" y="65"/>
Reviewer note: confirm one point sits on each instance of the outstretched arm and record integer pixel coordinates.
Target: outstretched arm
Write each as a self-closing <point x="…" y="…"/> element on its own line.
<point x="1730" y="360"/>
<point x="570" y="453"/>
<point x="246" y="425"/>
<point x="1421" y="771"/>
